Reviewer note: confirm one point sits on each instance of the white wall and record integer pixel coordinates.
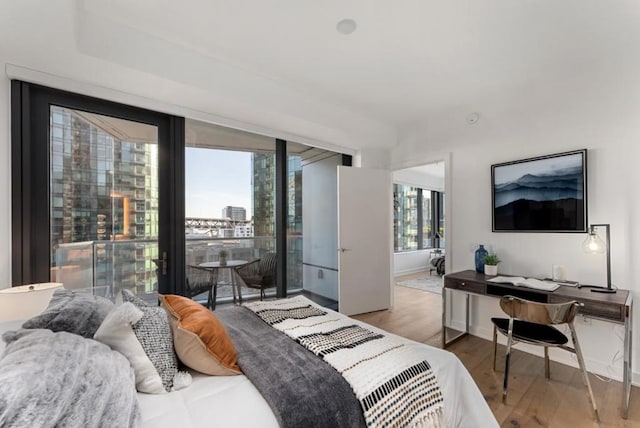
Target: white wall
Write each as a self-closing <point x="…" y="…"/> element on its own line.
<point x="413" y="178"/>
<point x="597" y="109"/>
<point x="411" y="261"/>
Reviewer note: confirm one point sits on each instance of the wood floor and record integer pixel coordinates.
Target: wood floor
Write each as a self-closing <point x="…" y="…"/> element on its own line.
<point x="533" y="401"/>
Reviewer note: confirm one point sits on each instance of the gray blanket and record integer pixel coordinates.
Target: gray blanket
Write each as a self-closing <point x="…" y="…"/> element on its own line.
<point x="64" y="380"/>
<point x="302" y="389"/>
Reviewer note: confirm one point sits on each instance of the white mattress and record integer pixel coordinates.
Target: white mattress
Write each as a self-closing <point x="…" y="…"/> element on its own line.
<point x="233" y="401"/>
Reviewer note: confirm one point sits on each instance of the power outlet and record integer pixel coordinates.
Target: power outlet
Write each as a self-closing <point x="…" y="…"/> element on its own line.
<point x="585" y="320"/>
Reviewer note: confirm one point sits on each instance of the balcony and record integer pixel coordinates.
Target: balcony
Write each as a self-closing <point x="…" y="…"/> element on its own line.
<point x="106" y="267"/>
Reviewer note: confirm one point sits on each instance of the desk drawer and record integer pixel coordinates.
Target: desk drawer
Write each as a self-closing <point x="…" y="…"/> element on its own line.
<point x="605" y="311"/>
<point x="463" y="285"/>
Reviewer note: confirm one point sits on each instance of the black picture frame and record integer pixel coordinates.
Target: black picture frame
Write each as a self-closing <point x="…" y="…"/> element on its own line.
<point x="541" y="194"/>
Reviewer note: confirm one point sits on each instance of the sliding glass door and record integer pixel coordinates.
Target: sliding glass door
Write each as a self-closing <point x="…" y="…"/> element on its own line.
<point x="229" y="205"/>
<point x="99" y="197"/>
<point x="90" y="206"/>
<point x="103" y="202"/>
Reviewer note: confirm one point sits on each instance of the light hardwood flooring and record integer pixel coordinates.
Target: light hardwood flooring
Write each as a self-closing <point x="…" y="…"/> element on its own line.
<point x="532" y="401"/>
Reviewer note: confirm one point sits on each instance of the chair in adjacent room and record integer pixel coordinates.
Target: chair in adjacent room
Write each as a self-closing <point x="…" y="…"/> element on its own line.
<point x="533" y="323"/>
<point x="201" y="280"/>
<point x="259" y="274"/>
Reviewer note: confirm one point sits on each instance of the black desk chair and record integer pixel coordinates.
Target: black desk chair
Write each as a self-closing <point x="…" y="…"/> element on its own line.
<point x="532" y="323"/>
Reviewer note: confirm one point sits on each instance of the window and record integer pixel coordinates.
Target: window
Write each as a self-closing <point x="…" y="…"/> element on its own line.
<point x="418" y="218"/>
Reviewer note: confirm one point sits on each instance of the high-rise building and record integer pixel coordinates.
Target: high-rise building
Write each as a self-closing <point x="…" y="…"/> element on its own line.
<point x="263" y="196"/>
<point x="234" y="213"/>
<point x="104" y="200"/>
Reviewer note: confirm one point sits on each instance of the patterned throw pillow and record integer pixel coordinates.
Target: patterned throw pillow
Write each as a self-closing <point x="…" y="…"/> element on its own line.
<point x="78" y="313"/>
<point x="154" y="334"/>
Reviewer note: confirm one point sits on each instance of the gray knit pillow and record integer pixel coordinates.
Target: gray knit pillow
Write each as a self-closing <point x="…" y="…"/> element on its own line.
<point x="154" y="334"/>
<point x="78" y="313"/>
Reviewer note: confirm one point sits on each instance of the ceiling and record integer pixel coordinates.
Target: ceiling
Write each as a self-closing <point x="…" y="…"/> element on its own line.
<point x="406" y="59"/>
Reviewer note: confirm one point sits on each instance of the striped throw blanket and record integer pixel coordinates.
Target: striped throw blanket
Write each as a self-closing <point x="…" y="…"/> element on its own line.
<point x="389" y="375"/>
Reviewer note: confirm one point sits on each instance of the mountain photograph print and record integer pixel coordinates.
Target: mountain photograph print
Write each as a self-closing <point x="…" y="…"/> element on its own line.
<point x="543" y="194"/>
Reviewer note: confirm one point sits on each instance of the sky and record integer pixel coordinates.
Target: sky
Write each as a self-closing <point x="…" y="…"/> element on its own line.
<point x="215" y="179"/>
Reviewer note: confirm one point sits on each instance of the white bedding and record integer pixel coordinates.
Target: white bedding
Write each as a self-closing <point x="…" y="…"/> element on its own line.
<point x="233" y="401"/>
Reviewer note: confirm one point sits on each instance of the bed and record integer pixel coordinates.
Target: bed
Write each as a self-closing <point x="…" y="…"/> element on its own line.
<point x="221" y="401"/>
<point x="235" y="401"/>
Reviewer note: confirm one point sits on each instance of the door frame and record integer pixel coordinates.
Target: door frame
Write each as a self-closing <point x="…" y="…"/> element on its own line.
<point x="30" y="179"/>
<point x="425" y="159"/>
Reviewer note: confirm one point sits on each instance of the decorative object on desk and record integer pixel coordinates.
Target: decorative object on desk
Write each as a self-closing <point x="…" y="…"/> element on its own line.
<point x="223" y="257"/>
<point x="558" y="273"/>
<point x="481" y="252"/>
<point x="526" y="282"/>
<point x="541" y="194"/>
<point x="594" y="245"/>
<point x="26" y="301"/>
<point x="491" y="261"/>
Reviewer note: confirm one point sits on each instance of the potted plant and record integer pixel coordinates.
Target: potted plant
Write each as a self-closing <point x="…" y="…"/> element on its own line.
<point x="491" y="261"/>
<point x="223" y="257"/>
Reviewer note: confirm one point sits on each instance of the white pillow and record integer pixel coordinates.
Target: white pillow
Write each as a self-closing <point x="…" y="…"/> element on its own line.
<point x="116" y="332"/>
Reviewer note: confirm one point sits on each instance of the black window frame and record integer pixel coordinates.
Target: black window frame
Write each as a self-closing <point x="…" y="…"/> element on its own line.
<point x="30" y="183"/>
<point x="437" y="205"/>
<point x="30" y="129"/>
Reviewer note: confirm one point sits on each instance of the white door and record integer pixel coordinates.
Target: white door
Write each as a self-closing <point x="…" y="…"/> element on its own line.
<point x="365" y="204"/>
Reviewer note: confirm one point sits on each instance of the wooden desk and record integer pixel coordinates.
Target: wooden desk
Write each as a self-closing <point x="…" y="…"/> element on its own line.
<point x="617" y="308"/>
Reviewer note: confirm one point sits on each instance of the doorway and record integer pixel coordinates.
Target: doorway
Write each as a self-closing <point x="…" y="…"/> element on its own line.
<point x="421" y="236"/>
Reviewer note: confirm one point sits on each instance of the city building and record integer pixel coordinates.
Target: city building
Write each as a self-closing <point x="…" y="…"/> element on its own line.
<point x="234" y="213"/>
<point x="263" y="197"/>
<point x="105" y="218"/>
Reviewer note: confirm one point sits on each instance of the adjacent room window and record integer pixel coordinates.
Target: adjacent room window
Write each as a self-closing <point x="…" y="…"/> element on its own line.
<point x="418" y="218"/>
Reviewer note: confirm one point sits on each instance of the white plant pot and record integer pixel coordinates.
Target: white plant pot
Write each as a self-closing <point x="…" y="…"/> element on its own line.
<point x="491" y="270"/>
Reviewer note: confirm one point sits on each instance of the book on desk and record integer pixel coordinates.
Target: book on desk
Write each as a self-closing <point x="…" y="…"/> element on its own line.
<point x="520" y="281"/>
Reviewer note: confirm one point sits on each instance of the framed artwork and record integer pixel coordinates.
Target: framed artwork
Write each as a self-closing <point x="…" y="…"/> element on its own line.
<point x="541" y="194"/>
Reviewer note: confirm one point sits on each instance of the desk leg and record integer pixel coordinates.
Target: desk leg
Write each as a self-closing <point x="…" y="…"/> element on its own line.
<point x="466" y="327"/>
<point x="446" y="342"/>
<point x="626" y="384"/>
<point x="444" y="317"/>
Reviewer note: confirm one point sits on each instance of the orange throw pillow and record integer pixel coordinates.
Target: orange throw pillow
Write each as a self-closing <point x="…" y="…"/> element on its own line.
<point x="200" y="339"/>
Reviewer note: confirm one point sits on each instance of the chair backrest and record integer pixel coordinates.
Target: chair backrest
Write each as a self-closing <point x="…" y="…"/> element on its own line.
<point x="198" y="280"/>
<point x="268" y="264"/>
<point x="541" y="313"/>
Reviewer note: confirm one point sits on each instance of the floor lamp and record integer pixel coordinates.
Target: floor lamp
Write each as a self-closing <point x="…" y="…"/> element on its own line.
<point x="594" y="245"/>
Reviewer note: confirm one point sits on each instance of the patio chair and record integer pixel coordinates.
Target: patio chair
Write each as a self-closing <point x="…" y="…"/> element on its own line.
<point x="200" y="280"/>
<point x="259" y="274"/>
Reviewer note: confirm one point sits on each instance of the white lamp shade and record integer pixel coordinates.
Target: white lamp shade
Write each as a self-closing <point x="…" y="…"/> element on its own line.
<point x="25" y="301"/>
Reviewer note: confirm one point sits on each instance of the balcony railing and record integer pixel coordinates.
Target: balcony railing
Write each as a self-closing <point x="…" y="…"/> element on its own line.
<point x="106" y="267"/>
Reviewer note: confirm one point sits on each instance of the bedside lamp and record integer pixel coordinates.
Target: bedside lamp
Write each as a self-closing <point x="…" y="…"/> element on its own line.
<point x="594" y="245"/>
<point x="25" y="301"/>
